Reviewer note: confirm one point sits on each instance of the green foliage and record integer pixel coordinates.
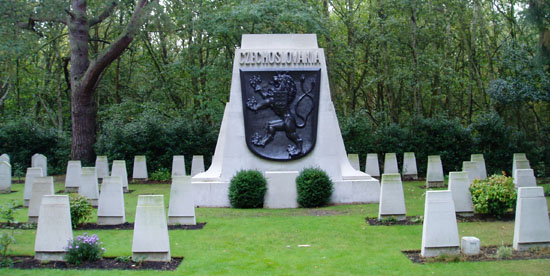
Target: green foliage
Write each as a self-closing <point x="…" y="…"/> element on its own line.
<point x="493" y="196"/>
<point x="84" y="249"/>
<point x="7" y="212"/>
<point x="123" y="259"/>
<point x="314" y="188"/>
<point x="81" y="209"/>
<point x="6" y="239"/>
<point x="247" y="189"/>
<point x="504" y="252"/>
<point x="162" y="174"/>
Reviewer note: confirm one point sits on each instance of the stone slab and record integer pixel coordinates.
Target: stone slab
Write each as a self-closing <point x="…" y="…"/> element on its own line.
<point x="119" y="169"/>
<point x="102" y="166"/>
<point x="470" y="246"/>
<point x="281" y="189"/>
<point x="481" y="168"/>
<point x="525" y="178"/>
<point x="72" y="176"/>
<point x="211" y="194"/>
<point x="434" y="173"/>
<point x="42" y="186"/>
<point x="110" y="209"/>
<point x="410" y="171"/>
<point x="356" y="192"/>
<point x="520" y="165"/>
<point x="41" y="161"/>
<point x="140" y="167"/>
<point x="151" y="241"/>
<point x="532" y="225"/>
<point x="181" y="209"/>
<point x="354" y="160"/>
<point x="392" y="199"/>
<point x="440" y="230"/>
<point x="390" y="163"/>
<point x="32" y="173"/>
<point x="5" y="177"/>
<point x="197" y="165"/>
<point x="372" y="167"/>
<point x="54" y="230"/>
<point x="178" y="166"/>
<point x="459" y="185"/>
<point x="89" y="186"/>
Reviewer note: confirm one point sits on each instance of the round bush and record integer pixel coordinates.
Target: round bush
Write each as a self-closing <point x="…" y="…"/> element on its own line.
<point x="493" y="196"/>
<point x="81" y="209"/>
<point x="247" y="189"/>
<point x="314" y="188"/>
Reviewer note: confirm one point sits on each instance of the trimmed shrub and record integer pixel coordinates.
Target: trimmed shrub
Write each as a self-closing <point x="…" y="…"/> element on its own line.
<point x="84" y="249"/>
<point x="314" y="188"/>
<point x="493" y="196"/>
<point x="81" y="209"/>
<point x="161" y="175"/>
<point x="247" y="189"/>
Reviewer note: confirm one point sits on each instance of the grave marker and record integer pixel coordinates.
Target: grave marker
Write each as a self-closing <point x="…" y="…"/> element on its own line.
<point x="182" y="202"/>
<point x="54" y="230"/>
<point x="89" y="186"/>
<point x="29" y="180"/>
<point x="110" y="209"/>
<point x="5" y="177"/>
<point x="482" y="170"/>
<point x="372" y="167"/>
<point x="459" y="185"/>
<point x="41" y="161"/>
<point x="72" y="177"/>
<point x="119" y="169"/>
<point x="392" y="199"/>
<point x="178" y="166"/>
<point x="440" y="230"/>
<point x="102" y="166"/>
<point x="140" y="167"/>
<point x="390" y="163"/>
<point x="42" y="186"/>
<point x="434" y="174"/>
<point x="151" y="241"/>
<point x="409" y="166"/>
<point x="197" y="165"/>
<point x="532" y="226"/>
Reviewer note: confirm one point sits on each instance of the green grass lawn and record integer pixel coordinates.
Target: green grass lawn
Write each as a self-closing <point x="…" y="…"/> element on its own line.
<point x="265" y="242"/>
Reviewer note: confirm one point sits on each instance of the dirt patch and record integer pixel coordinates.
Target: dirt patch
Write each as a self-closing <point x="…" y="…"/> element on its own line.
<point x="413" y="220"/>
<point x="28" y="262"/>
<point x="389" y="222"/>
<point x="94" y="226"/>
<point x="488" y="253"/>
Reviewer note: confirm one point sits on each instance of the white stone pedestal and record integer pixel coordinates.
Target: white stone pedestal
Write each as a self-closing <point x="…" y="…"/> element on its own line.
<point x="525" y="178"/>
<point x="151" y="241"/>
<point x="119" y="169"/>
<point x="54" y="230"/>
<point x="5" y="177"/>
<point x="89" y="186"/>
<point x="392" y="199"/>
<point x="140" y="167"/>
<point x="434" y="173"/>
<point x="42" y="186"/>
<point x="182" y="202"/>
<point x="440" y="230"/>
<point x="532" y="225"/>
<point x="460" y="187"/>
<point x="40" y="161"/>
<point x="197" y="165"/>
<point x="102" y="166"/>
<point x="178" y="166"/>
<point x="110" y="209"/>
<point x="409" y="166"/>
<point x="482" y="170"/>
<point x="72" y="177"/>
<point x="372" y="167"/>
<point x="281" y="189"/>
<point x="32" y="173"/>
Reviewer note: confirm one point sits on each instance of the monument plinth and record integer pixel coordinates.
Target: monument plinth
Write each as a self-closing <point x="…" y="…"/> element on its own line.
<point x="280" y="81"/>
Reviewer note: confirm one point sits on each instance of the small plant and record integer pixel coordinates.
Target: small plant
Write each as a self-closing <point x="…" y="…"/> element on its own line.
<point x="247" y="189"/>
<point x="504" y="252"/>
<point x="7" y="212"/>
<point x="123" y="259"/>
<point x="314" y="188"/>
<point x="419" y="219"/>
<point x="388" y="220"/>
<point x="81" y="209"/>
<point x="6" y="239"/>
<point x="162" y="174"/>
<point x="84" y="248"/>
<point x="493" y="196"/>
<point x="446" y="258"/>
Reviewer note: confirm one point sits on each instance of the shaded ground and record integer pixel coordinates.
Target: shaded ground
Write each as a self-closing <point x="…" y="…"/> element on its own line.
<point x="28" y="262"/>
<point x="488" y="253"/>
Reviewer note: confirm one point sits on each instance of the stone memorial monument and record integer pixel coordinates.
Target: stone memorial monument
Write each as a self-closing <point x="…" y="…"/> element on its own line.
<point x="110" y="210"/>
<point x="354" y="160"/>
<point x="54" y="230"/>
<point x="89" y="186"/>
<point x="409" y="166"/>
<point x="40" y="161"/>
<point x="440" y="230"/>
<point x="5" y="177"/>
<point x="280" y="117"/>
<point x="140" y="167"/>
<point x="372" y="167"/>
<point x="72" y="177"/>
<point x="532" y="226"/>
<point x="178" y="166"/>
<point x="119" y="169"/>
<point x="151" y="241"/>
<point x="182" y="202"/>
<point x="390" y="163"/>
<point x="480" y="165"/>
<point x="525" y="178"/>
<point x="29" y="180"/>
<point x="434" y="173"/>
<point x="42" y="186"/>
<point x="197" y="165"/>
<point x="459" y="185"/>
<point x="392" y="199"/>
<point x="102" y="166"/>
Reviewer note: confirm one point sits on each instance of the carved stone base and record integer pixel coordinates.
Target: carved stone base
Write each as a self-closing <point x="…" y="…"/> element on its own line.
<point x="398" y="217"/>
<point x="49" y="256"/>
<point x="529" y="245"/>
<point x="190" y="220"/>
<point x="151" y="256"/>
<point x="437" y="251"/>
<point x="110" y="220"/>
<point x="33" y="219"/>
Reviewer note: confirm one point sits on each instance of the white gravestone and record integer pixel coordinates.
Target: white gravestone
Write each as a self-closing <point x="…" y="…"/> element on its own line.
<point x="281" y="189"/>
<point x="409" y="166"/>
<point x="110" y="210"/>
<point x="42" y="186"/>
<point x="525" y="178"/>
<point x="40" y="161"/>
<point x="390" y="163"/>
<point x="519" y="157"/>
<point x="440" y="230"/>
<point x="520" y="165"/>
<point x="481" y="168"/>
<point x="102" y="166"/>
<point x="532" y="226"/>
<point x="434" y="173"/>
<point x="197" y="165"/>
<point x="470" y="246"/>
<point x="72" y="177"/>
<point x="119" y="169"/>
<point x="54" y="230"/>
<point x="178" y="166"/>
<point x="151" y="241"/>
<point x="354" y="160"/>
<point x="471" y="169"/>
<point x="392" y="199"/>
<point x="5" y="177"/>
<point x="232" y="153"/>
<point x="372" y="167"/>
<point x="181" y="209"/>
<point x="89" y="186"/>
<point x="5" y="157"/>
<point x="140" y="167"/>
<point x="32" y="173"/>
<point x="459" y="185"/>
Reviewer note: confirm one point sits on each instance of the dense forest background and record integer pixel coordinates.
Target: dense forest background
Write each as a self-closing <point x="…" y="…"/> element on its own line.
<point x="446" y="77"/>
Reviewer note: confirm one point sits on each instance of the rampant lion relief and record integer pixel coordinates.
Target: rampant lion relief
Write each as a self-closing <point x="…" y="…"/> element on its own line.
<point x="280" y="112"/>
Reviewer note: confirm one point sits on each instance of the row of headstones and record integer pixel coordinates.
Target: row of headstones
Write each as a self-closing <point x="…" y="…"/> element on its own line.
<point x="140" y="166"/>
<point x="150" y="241"/>
<point x="37" y="161"/>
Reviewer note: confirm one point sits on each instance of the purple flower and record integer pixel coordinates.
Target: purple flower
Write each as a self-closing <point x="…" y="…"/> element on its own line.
<point x="76" y="246"/>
